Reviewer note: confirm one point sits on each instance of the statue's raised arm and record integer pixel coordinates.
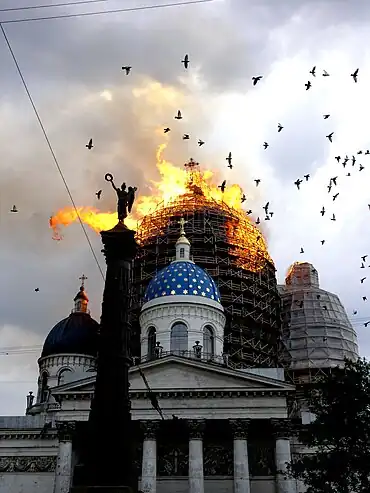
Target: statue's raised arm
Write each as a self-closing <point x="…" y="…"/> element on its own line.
<point x="125" y="198"/>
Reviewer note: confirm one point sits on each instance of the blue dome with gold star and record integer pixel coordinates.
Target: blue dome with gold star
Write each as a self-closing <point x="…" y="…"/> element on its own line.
<point x="182" y="277"/>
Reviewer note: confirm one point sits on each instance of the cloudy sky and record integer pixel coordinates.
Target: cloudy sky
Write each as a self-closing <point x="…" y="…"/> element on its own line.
<point x="73" y="70"/>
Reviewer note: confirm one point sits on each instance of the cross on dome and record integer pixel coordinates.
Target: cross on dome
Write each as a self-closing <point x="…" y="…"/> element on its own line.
<point x="182" y="223"/>
<point x="190" y="165"/>
<point x="83" y="278"/>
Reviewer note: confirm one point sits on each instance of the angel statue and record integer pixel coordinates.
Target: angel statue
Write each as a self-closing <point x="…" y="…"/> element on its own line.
<point x="126" y="198"/>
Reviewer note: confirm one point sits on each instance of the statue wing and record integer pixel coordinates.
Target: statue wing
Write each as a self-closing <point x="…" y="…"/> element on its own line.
<point x="130" y="198"/>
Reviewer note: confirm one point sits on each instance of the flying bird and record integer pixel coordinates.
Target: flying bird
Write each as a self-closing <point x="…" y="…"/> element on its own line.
<point x="337" y="158"/>
<point x="185" y="61"/>
<point x="361" y="167"/>
<point x="308" y="85"/>
<point x="266" y="207"/>
<point x="333" y="218"/>
<point x="127" y="69"/>
<point x="249" y="212"/>
<point x="14" y="209"/>
<point x="353" y="160"/>
<point x="186" y="137"/>
<point x="329" y="188"/>
<point x="355" y="74"/>
<point x="98" y="194"/>
<point x="302" y="251"/>
<point x="367" y="152"/>
<point x="280" y="127"/>
<point x="258" y="220"/>
<point x="335" y="196"/>
<point x="367" y="323"/>
<point x="364" y="258"/>
<point x="222" y="186"/>
<point x="166" y="130"/>
<point x="330" y="136"/>
<point x="326" y="117"/>
<point x="265" y="145"/>
<point x="256" y="79"/>
<point x="37" y="290"/>
<point x="258" y="181"/>
<point x="90" y="145"/>
<point x="200" y="143"/>
<point x="322" y="242"/>
<point x="334" y="180"/>
<point x="244" y="198"/>
<point x="298" y="183"/>
<point x="362" y="280"/>
<point x="325" y="74"/>
<point x="179" y="116"/>
<point x="229" y="159"/>
<point x="313" y="71"/>
<point x="364" y="298"/>
<point x="322" y="212"/>
<point x="306" y="176"/>
<point x="362" y="266"/>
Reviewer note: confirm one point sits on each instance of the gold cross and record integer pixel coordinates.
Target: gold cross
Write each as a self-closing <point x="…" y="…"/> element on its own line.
<point x="182" y="223"/>
<point x="83" y="278"/>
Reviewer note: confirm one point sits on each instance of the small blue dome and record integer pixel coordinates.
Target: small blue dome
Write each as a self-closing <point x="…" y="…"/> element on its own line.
<point x="182" y="278"/>
<point x="76" y="334"/>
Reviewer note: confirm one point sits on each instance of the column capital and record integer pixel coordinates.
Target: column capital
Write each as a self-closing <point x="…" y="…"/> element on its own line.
<point x="240" y="428"/>
<point x="65" y="430"/>
<point x="149" y="428"/>
<point x="281" y="428"/>
<point x="196" y="428"/>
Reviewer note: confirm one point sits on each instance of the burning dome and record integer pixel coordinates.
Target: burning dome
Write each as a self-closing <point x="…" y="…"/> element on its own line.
<point x="76" y="334"/>
<point x="182" y="278"/>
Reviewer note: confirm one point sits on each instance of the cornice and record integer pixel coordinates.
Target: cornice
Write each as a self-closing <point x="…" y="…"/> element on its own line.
<point x="27" y="435"/>
<point x="28" y="464"/>
<point x="206" y="312"/>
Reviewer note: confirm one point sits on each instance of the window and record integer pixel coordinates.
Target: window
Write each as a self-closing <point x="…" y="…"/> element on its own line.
<point x="179" y="337"/>
<point x="182" y="252"/>
<point x="208" y="341"/>
<point x="152" y="339"/>
<point x="62" y="375"/>
<point x="44" y="387"/>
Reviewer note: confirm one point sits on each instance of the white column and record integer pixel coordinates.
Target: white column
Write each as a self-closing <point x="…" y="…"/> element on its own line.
<point x="196" y="475"/>
<point x="149" y="465"/>
<point x="63" y="472"/>
<point x="241" y="465"/>
<point x="282" y="431"/>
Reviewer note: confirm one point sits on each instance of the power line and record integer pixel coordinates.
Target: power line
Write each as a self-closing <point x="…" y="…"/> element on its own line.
<point x="50" y="5"/>
<point x="51" y="149"/>
<point x="113" y="11"/>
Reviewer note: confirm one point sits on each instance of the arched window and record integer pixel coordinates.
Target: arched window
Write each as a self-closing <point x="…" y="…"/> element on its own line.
<point x="182" y="252"/>
<point x="152" y="339"/>
<point x="62" y="375"/>
<point x="208" y="341"/>
<point x="44" y="387"/>
<point x="179" y="338"/>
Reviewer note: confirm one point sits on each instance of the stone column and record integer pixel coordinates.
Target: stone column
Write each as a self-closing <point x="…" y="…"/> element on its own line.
<point x="241" y="465"/>
<point x="196" y="475"/>
<point x="149" y="466"/>
<point x="63" y="472"/>
<point x="282" y="432"/>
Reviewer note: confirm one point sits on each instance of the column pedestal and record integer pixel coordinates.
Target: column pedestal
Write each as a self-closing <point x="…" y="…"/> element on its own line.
<point x="282" y="432"/>
<point x="241" y="465"/>
<point x="149" y="466"/>
<point x="196" y="474"/>
<point x="63" y="472"/>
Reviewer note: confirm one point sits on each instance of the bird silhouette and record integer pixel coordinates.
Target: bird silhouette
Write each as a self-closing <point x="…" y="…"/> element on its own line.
<point x="244" y="198"/>
<point x="256" y="79"/>
<point x="364" y="298"/>
<point x="280" y="127"/>
<point x="302" y="251"/>
<point x="306" y="176"/>
<point x="330" y="136"/>
<point x="329" y="188"/>
<point x="367" y="323"/>
<point x="229" y="159"/>
<point x="333" y="218"/>
<point x="200" y="142"/>
<point x="222" y="186"/>
<point x="325" y="74"/>
<point x="337" y="158"/>
<point x="98" y="194"/>
<point x="326" y="117"/>
<point x="166" y="130"/>
<point x="353" y="160"/>
<point x="322" y="242"/>
<point x="364" y="258"/>
<point x="362" y="280"/>
<point x="335" y="196"/>
<point x="265" y="145"/>
<point x="322" y="212"/>
<point x="14" y="209"/>
<point x="355" y="74"/>
<point x="127" y="69"/>
<point x="361" y="167"/>
<point x="178" y="116"/>
<point x="185" y="61"/>
<point x="37" y="290"/>
<point x="249" y="212"/>
<point x="313" y="71"/>
<point x="90" y="145"/>
<point x="258" y="220"/>
<point x="308" y="85"/>
<point x="334" y="180"/>
<point x="298" y="183"/>
<point x="266" y="207"/>
<point x="257" y="182"/>
<point x="186" y="137"/>
<point x="362" y="266"/>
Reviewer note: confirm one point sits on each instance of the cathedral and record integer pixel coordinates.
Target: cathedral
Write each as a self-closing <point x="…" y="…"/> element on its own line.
<point x="221" y="422"/>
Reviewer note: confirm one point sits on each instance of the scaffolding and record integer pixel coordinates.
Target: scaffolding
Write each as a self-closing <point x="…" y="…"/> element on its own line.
<point x="317" y="333"/>
<point x="227" y="245"/>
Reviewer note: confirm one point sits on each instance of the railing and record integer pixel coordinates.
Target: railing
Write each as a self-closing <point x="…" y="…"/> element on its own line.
<point x="205" y="357"/>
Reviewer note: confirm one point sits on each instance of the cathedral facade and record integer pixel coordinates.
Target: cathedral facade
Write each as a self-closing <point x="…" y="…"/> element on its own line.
<point x="201" y="425"/>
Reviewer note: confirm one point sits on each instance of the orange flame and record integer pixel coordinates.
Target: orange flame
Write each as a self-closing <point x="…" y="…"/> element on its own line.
<point x="174" y="182"/>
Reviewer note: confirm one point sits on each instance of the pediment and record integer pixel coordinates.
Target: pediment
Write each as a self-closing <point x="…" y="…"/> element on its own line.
<point x="179" y="374"/>
<point x="174" y="373"/>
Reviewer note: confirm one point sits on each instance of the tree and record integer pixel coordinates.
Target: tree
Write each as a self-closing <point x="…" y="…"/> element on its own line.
<point x="340" y="433"/>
